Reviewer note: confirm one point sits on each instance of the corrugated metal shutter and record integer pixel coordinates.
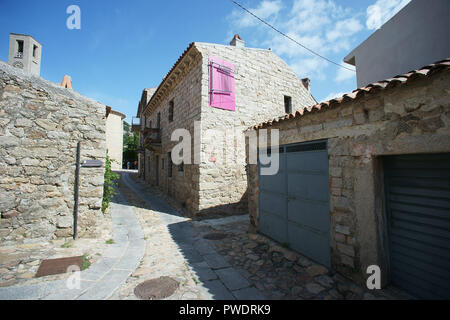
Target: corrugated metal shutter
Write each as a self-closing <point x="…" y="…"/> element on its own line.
<point x="418" y="210"/>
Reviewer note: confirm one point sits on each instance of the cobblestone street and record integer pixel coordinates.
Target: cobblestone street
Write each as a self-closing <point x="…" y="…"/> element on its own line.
<point x="264" y="267"/>
<point x="207" y="259"/>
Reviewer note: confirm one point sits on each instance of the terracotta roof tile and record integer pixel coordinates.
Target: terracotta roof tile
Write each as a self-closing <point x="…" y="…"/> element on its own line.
<point x="375" y="87"/>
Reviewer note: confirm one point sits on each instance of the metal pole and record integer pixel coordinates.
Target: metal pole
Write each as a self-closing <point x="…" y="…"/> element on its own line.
<point x="77" y="184"/>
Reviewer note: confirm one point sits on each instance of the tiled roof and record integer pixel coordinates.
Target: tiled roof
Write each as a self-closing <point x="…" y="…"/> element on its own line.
<point x="369" y="89"/>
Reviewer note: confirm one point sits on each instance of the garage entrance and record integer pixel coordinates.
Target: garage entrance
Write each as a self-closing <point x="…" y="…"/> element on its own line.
<point x="418" y="213"/>
<point x="294" y="203"/>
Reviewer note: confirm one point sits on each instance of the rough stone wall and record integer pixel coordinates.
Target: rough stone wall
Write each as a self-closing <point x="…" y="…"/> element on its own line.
<point x="262" y="80"/>
<point x="40" y="125"/>
<point x="114" y="139"/>
<point x="413" y="118"/>
<point x="183" y="185"/>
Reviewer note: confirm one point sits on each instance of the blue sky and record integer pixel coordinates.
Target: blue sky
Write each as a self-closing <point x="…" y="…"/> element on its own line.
<point x="125" y="46"/>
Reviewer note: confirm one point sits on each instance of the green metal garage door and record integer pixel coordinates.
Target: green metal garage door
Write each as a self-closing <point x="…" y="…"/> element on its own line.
<point x="294" y="204"/>
<point x="418" y="210"/>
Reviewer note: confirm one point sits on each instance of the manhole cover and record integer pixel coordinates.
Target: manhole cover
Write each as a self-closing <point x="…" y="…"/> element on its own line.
<point x="58" y="266"/>
<point x="215" y="236"/>
<point x="159" y="288"/>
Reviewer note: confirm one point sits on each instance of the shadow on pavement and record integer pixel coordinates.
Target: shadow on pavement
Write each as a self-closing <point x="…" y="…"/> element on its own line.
<point x="220" y="281"/>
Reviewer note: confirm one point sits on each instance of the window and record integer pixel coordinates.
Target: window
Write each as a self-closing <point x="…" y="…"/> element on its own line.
<point x="287" y="104"/>
<point x="150" y="124"/>
<point x="19" y="48"/>
<point x="35" y="51"/>
<point x="181" y="167"/>
<point x="162" y="163"/>
<point x="169" y="164"/>
<point x="171" y="111"/>
<point x="221" y="84"/>
<point x="158" y="120"/>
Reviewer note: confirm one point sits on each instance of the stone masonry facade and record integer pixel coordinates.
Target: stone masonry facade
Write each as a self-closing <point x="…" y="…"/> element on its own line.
<point x="410" y="118"/>
<point x="40" y="125"/>
<point x="261" y="81"/>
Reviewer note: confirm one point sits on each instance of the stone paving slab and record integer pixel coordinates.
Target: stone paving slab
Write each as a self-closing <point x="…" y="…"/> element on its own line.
<point x="249" y="294"/>
<point x="64" y="293"/>
<point x="105" y="288"/>
<point x="232" y="279"/>
<point x="204" y="247"/>
<point x="217" y="290"/>
<point x="128" y="260"/>
<point x="203" y="271"/>
<point x="35" y="291"/>
<point x="99" y="269"/>
<point x="216" y="261"/>
<point x="115" y="251"/>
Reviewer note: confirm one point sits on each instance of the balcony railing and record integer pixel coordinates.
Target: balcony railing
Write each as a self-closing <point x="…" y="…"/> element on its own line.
<point x="152" y="138"/>
<point x="135" y="124"/>
<point x="19" y="55"/>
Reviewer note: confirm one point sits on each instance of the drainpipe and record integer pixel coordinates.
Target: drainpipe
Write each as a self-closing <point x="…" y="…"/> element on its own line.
<point x="77" y="185"/>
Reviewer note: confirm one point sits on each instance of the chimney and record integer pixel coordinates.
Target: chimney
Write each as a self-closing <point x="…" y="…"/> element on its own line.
<point x="66" y="82"/>
<point x="237" y="41"/>
<point x="306" y="83"/>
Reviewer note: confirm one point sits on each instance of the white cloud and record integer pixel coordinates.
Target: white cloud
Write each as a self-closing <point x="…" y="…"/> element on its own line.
<point x="333" y="95"/>
<point x="265" y="10"/>
<point x="382" y="11"/>
<point x="310" y="66"/>
<point x="344" y="74"/>
<point x="321" y="25"/>
<point x="344" y="28"/>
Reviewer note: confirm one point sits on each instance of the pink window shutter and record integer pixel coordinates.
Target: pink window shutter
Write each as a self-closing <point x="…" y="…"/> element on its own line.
<point x="221" y="84"/>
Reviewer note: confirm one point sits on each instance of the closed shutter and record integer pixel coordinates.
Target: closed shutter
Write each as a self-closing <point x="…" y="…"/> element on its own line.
<point x="418" y="211"/>
<point x="221" y="84"/>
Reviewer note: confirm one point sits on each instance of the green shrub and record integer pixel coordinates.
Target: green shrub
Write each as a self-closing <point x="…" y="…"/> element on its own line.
<point x="110" y="182"/>
<point x="86" y="262"/>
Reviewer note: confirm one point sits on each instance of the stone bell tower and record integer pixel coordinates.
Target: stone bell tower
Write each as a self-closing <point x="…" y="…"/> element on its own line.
<point x="25" y="53"/>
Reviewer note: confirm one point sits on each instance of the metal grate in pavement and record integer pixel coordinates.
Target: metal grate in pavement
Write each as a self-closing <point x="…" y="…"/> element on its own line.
<point x="158" y="288"/>
<point x="58" y="266"/>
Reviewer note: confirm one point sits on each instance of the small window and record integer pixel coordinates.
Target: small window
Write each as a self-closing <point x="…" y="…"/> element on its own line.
<point x="287" y="104"/>
<point x="181" y="167"/>
<point x="158" y="120"/>
<point x="171" y="111"/>
<point x="35" y="51"/>
<point x="162" y="163"/>
<point x="19" y="48"/>
<point x="169" y="164"/>
<point x="150" y="124"/>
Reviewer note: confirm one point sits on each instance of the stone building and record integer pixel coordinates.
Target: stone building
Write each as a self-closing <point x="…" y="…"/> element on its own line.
<point x="40" y="126"/>
<point x="224" y="88"/>
<point x="25" y="53"/>
<point x="138" y="126"/>
<point x="114" y="137"/>
<point x="365" y="180"/>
